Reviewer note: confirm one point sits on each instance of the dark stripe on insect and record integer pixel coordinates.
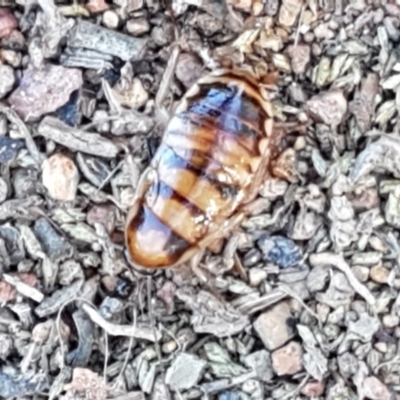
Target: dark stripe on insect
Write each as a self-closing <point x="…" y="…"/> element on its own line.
<point x="205" y="121"/>
<point x="225" y="104"/>
<point x="162" y="190"/>
<point x="169" y="158"/>
<point x="146" y="220"/>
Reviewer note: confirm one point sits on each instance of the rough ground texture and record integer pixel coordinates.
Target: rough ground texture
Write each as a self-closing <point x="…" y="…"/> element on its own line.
<point x="308" y="288"/>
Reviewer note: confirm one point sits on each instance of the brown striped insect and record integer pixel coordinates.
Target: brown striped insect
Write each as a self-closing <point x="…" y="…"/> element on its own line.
<point x="214" y="154"/>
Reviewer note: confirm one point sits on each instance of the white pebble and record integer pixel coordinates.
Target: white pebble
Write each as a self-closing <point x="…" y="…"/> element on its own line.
<point x="60" y="177"/>
<point x="111" y="19"/>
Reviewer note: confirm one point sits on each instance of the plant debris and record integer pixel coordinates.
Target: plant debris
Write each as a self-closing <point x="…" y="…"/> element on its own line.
<point x="301" y="301"/>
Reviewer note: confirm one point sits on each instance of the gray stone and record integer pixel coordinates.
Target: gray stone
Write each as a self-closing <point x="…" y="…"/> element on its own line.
<point x="185" y="372"/>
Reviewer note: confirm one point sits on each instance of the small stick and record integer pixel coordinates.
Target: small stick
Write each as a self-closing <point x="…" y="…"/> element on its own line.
<point x="337" y="260"/>
<point x="23" y="288"/>
<point x="139" y="332"/>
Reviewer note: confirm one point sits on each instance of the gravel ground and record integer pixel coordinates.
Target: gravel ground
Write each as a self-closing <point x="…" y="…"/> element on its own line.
<point x="302" y="301"/>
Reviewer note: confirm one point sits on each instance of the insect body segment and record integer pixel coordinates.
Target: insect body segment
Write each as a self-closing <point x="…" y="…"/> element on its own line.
<point x="212" y="154"/>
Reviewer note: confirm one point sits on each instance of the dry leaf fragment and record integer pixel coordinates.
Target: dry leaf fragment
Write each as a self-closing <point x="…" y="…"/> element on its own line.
<point x="289" y="11"/>
<point x="77" y="139"/>
<point x="380" y="156"/>
<point x="210" y="315"/>
<point x="362" y="107"/>
<point x="185" y="372"/>
<point x="94" y="37"/>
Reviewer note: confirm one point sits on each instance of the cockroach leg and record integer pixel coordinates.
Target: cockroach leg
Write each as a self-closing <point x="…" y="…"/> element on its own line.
<point x="204" y="277"/>
<point x="238" y="266"/>
<point x="195" y="266"/>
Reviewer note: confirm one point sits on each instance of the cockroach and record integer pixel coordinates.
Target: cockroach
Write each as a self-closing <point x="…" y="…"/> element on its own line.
<point x="214" y="154"/>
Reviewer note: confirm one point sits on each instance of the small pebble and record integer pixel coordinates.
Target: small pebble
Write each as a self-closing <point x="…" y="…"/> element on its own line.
<point x="300" y="56"/>
<point x="162" y="35"/>
<point x="300" y="143"/>
<point x="60" y="177"/>
<point x="137" y="26"/>
<point x="11" y="57"/>
<point x="322" y="31"/>
<point x="244" y="5"/>
<point x="169" y="347"/>
<point x="328" y="107"/>
<point x="257" y="276"/>
<point x="280" y="250"/>
<point x="381" y="347"/>
<point x="9" y="149"/>
<point x="390" y="321"/>
<point x="251" y="258"/>
<point x="188" y="69"/>
<point x="260" y="362"/>
<point x="109" y="282"/>
<point x="313" y="389"/>
<point x="272" y="326"/>
<point x="374" y="389"/>
<point x="287" y="360"/>
<point x="361" y="272"/>
<point x="97" y="6"/>
<point x="7" y="23"/>
<point x="379" y="274"/>
<point x="309" y="37"/>
<point x="110" y="19"/>
<point x="377" y="244"/>
<point x="348" y="364"/>
<point x="317" y="279"/>
<point x="7" y="79"/>
<point x="102" y="117"/>
<point x="16" y="40"/>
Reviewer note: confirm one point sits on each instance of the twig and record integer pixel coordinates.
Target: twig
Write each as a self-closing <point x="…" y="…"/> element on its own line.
<point x="138" y="332"/>
<point x="167" y="76"/>
<point x="152" y="323"/>
<point x="337" y="260"/>
<point x="128" y="352"/>
<point x="23" y="288"/>
<point x="296" y="40"/>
